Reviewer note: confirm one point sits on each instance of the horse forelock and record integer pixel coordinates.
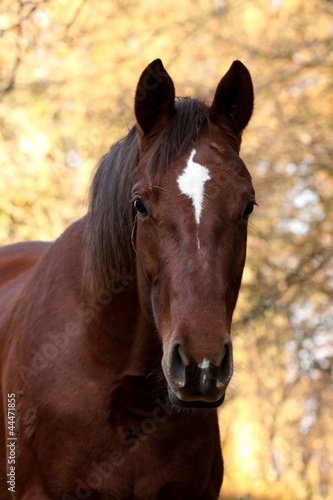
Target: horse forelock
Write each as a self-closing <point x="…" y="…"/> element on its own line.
<point x="109" y="253"/>
<point x="182" y="131"/>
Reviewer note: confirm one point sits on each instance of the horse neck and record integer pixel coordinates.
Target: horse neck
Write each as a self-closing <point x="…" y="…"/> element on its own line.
<point x="121" y="334"/>
<point x="111" y="324"/>
<point x="117" y="329"/>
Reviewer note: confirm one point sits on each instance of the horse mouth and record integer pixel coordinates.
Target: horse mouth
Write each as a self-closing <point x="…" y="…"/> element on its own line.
<point x="195" y="403"/>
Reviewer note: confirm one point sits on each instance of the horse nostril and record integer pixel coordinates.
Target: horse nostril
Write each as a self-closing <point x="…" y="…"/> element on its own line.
<point x="226" y="367"/>
<point x="178" y="361"/>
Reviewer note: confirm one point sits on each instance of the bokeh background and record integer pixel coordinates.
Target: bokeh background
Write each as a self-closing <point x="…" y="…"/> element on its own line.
<point x="68" y="71"/>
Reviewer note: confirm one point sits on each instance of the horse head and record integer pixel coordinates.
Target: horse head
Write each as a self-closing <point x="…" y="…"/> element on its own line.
<point x="192" y="199"/>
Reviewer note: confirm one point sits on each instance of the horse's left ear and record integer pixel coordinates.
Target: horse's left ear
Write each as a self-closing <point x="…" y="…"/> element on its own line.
<point x="154" y="98"/>
<point x="233" y="101"/>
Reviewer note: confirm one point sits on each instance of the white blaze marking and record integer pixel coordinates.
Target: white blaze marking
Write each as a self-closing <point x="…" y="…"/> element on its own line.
<point x="192" y="183"/>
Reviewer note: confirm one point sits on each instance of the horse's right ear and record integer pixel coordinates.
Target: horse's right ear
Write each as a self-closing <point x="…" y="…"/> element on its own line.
<point x="154" y="98"/>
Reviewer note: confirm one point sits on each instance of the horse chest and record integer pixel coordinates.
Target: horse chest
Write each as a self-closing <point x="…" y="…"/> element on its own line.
<point x="152" y="459"/>
<point x="128" y="451"/>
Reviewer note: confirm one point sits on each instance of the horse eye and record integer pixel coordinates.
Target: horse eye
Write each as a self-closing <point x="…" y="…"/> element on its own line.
<point x="248" y="211"/>
<point x="140" y="207"/>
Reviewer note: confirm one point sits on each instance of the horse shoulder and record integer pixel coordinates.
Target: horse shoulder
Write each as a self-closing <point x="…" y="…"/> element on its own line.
<point x="20" y="258"/>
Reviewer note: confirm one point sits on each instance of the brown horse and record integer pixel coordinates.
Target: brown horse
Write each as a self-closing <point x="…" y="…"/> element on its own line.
<point x="112" y="334"/>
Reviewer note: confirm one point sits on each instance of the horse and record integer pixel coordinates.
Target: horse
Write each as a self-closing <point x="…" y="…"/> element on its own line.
<point x="115" y="339"/>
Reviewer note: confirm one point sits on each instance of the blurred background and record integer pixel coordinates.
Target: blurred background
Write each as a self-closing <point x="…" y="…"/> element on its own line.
<point x="68" y="71"/>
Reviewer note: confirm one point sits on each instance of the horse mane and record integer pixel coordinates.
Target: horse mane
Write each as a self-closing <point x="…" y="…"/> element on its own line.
<point x="109" y="261"/>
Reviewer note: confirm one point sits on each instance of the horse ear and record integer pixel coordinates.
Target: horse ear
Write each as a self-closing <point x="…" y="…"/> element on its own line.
<point x="154" y="97"/>
<point x="233" y="100"/>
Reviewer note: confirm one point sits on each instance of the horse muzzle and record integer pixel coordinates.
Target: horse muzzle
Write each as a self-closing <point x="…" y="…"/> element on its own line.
<point x="197" y="385"/>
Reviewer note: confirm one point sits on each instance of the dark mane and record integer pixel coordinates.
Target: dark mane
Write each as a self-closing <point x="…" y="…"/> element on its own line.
<point x="109" y="254"/>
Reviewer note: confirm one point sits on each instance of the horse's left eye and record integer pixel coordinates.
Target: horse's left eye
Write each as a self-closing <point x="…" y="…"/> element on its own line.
<point x="248" y="211"/>
<point x="140" y="207"/>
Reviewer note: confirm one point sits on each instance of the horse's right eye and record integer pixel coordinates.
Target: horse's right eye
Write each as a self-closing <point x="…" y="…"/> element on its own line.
<point x="248" y="211"/>
<point x="140" y="207"/>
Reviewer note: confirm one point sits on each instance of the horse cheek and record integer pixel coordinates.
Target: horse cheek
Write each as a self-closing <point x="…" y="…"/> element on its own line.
<point x="147" y="259"/>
